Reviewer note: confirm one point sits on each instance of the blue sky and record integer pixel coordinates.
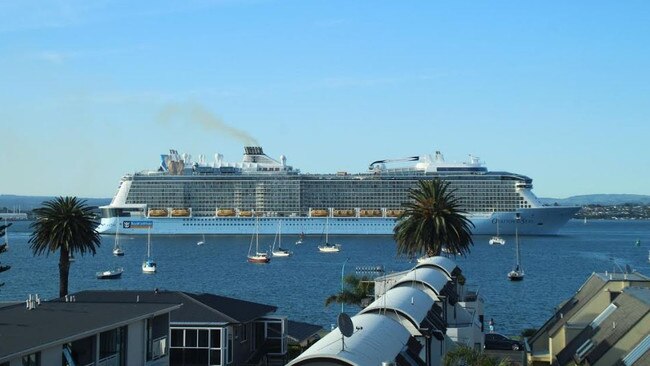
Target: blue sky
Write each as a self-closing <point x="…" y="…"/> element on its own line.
<point x="556" y="90"/>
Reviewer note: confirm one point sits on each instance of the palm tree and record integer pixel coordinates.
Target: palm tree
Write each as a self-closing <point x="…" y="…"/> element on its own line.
<point x="432" y="221"/>
<point x="468" y="356"/>
<point x="356" y="292"/>
<point x="66" y="225"/>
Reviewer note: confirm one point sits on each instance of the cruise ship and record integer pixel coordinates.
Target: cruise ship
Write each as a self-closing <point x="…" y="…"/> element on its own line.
<point x="186" y="196"/>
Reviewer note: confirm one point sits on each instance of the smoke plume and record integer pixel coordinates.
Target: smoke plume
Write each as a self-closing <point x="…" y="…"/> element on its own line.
<point x="196" y="114"/>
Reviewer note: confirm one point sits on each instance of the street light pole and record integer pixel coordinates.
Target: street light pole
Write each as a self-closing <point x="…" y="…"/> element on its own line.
<point x="342" y="275"/>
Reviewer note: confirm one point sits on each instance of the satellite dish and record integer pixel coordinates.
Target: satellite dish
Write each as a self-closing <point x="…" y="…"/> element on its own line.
<point x="628" y="269"/>
<point x="345" y="324"/>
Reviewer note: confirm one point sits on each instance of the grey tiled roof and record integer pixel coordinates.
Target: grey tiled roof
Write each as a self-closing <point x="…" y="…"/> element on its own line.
<point x="25" y="331"/>
<point x="197" y="308"/>
<point x="299" y="331"/>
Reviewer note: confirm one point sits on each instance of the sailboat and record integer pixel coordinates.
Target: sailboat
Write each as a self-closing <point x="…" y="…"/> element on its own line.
<point x="300" y="239"/>
<point x="279" y="252"/>
<point x="149" y="265"/>
<point x="327" y="247"/>
<point x="202" y="241"/>
<point x="117" y="248"/>
<point x="257" y="256"/>
<point x="497" y="239"/>
<point x="517" y="274"/>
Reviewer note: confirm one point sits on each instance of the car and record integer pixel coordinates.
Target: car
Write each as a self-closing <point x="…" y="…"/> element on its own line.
<point x="499" y="341"/>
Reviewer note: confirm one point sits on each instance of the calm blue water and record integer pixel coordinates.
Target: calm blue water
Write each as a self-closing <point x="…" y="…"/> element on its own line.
<point x="555" y="269"/>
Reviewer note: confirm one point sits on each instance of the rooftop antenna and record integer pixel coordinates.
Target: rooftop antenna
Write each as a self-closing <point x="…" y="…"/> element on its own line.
<point x="342" y="281"/>
<point x="345" y="327"/>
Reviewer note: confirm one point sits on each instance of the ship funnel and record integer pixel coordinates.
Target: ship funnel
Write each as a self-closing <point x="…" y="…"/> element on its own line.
<point x="439" y="157"/>
<point x="283" y="160"/>
<point x="218" y="159"/>
<point x="253" y="150"/>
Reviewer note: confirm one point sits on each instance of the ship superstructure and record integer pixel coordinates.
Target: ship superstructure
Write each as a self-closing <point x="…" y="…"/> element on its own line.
<point x="195" y="197"/>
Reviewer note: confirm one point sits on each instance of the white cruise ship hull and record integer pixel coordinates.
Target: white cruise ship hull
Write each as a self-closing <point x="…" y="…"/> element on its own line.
<point x="534" y="221"/>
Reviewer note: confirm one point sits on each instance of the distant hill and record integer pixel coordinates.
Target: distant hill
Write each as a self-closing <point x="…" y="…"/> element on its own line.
<point x="27" y="203"/>
<point x="599" y="199"/>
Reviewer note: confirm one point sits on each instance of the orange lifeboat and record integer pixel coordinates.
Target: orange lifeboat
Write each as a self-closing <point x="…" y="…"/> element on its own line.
<point x="157" y="212"/>
<point x="343" y="213"/>
<point x="245" y="213"/>
<point x="180" y="212"/>
<point x="394" y="213"/>
<point x="318" y="213"/>
<point x="225" y="212"/>
<point x="370" y="213"/>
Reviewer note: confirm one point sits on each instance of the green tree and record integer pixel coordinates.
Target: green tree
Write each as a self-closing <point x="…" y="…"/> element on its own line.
<point x="3" y="248"/>
<point x="432" y="221"/>
<point x="356" y="292"/>
<point x="66" y="225"/>
<point x="466" y="356"/>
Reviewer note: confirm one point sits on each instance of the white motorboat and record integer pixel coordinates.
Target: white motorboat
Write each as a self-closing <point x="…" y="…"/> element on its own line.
<point x="110" y="274"/>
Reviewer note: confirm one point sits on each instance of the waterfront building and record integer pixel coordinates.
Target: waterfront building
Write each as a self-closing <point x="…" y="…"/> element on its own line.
<point x="416" y="318"/>
<point x="210" y="329"/>
<point x="606" y="322"/>
<point x="13" y="216"/>
<point x="43" y="333"/>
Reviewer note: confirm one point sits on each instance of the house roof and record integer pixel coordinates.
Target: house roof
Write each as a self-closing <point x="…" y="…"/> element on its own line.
<point x="299" y="332"/>
<point x="631" y="306"/>
<point x="24" y="331"/>
<point x="197" y="308"/>
<point x="590" y="288"/>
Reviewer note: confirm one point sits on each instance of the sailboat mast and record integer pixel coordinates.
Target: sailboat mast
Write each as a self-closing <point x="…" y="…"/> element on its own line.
<point x="517" y="237"/>
<point x="117" y="234"/>
<point x="327" y="231"/>
<point x="149" y="243"/>
<point x="6" y="233"/>
<point x="257" y="235"/>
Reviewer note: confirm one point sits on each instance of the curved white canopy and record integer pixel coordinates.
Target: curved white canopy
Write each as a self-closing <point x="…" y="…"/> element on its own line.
<point x="409" y="301"/>
<point x="446" y="264"/>
<point x="379" y="339"/>
<point x="433" y="278"/>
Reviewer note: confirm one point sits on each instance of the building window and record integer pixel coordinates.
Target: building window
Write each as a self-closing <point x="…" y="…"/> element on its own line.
<point x="157" y="330"/>
<point x="196" y="346"/>
<point x="32" y="360"/>
<point x="112" y="347"/>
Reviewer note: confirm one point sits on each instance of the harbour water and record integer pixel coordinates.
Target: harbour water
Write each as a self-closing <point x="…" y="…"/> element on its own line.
<point x="555" y="268"/>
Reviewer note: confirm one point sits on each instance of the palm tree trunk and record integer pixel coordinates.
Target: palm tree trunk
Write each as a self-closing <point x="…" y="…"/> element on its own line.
<point x="64" y="271"/>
